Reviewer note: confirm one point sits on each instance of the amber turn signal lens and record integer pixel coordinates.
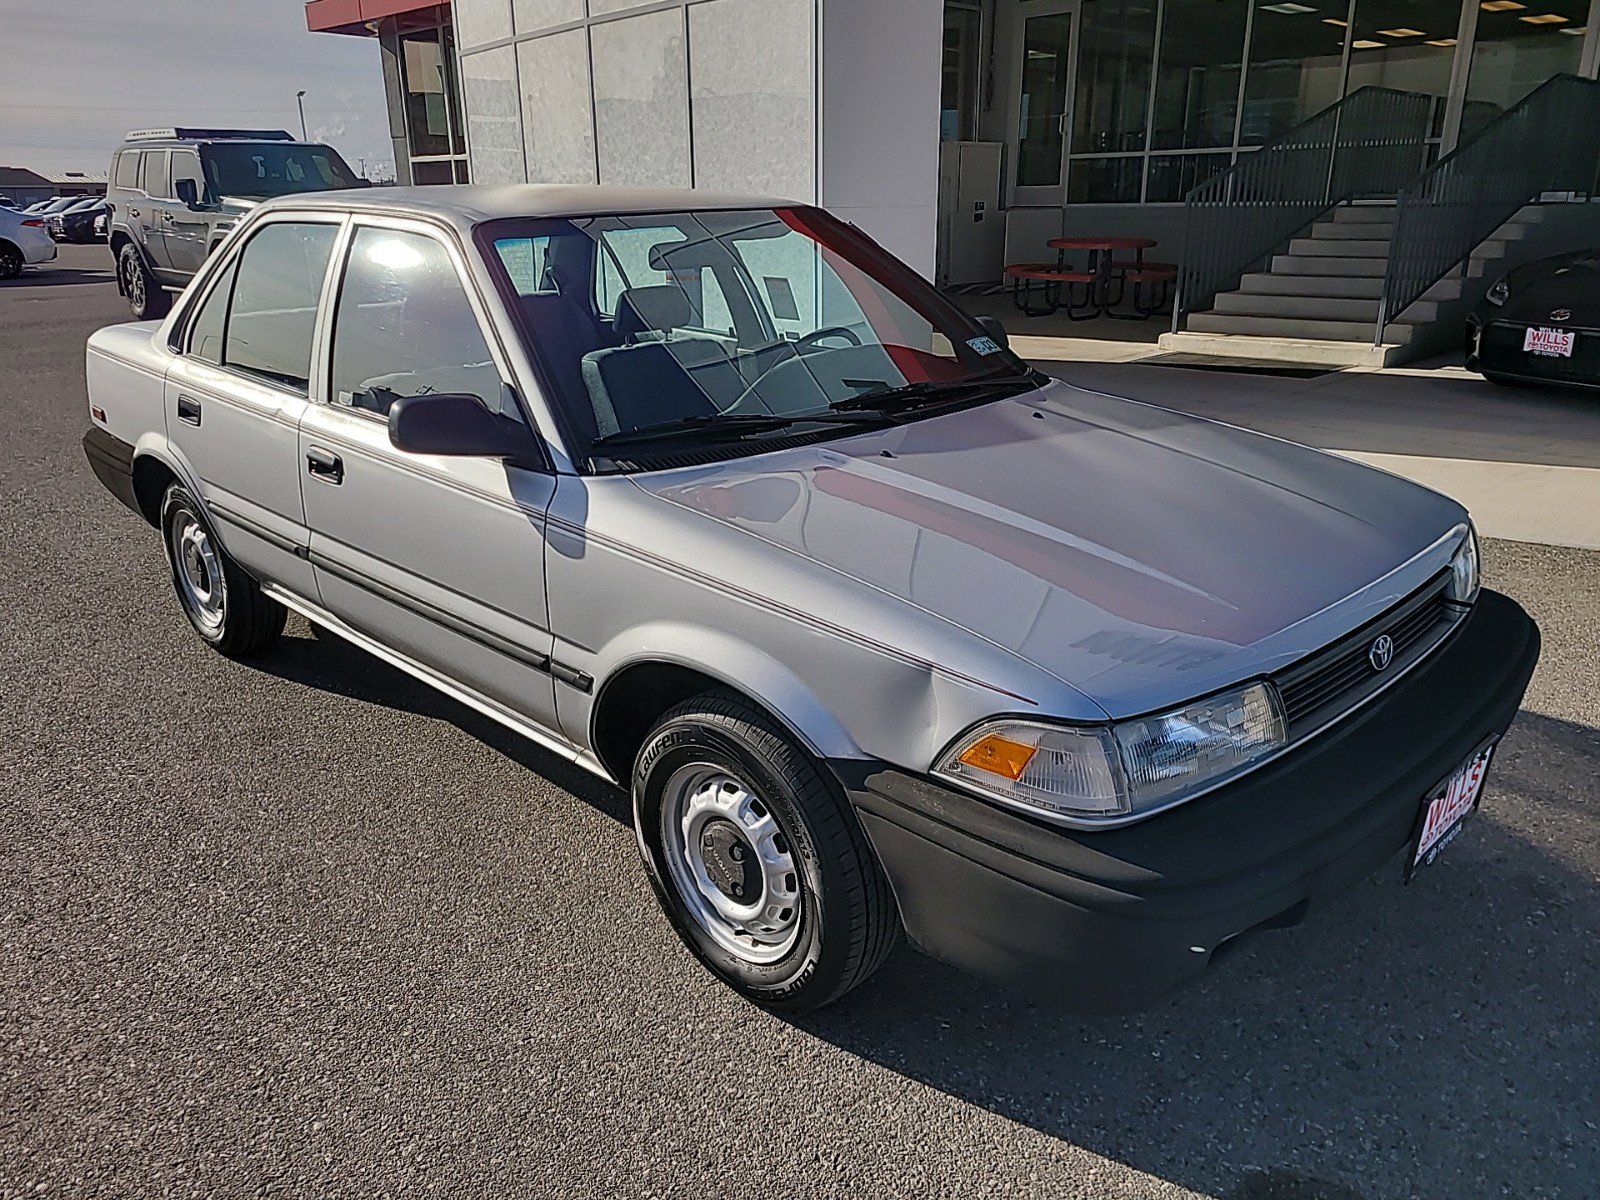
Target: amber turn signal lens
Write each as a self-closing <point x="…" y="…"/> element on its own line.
<point x="999" y="756"/>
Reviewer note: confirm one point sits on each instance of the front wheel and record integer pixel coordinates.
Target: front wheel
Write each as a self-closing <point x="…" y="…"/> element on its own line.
<point x="759" y="863"/>
<point x="145" y="295"/>
<point x="225" y="605"/>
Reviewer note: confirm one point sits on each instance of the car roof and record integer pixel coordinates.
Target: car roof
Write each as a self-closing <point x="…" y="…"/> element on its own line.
<point x="465" y="205"/>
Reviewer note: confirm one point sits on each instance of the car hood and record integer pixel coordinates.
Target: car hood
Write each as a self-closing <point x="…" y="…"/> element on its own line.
<point x="1571" y="283"/>
<point x="1138" y="555"/>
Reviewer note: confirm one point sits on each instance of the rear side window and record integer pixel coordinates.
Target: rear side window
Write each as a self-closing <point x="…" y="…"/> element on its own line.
<point x="153" y="179"/>
<point x="404" y="326"/>
<point x="127" y="173"/>
<point x="274" y="307"/>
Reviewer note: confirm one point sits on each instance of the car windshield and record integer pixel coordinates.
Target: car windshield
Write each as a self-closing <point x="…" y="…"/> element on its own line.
<point x="721" y="325"/>
<point x="265" y="169"/>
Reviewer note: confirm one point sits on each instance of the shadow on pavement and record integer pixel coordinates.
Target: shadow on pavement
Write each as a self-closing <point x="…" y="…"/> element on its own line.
<point x="1431" y="1040"/>
<point x="49" y="276"/>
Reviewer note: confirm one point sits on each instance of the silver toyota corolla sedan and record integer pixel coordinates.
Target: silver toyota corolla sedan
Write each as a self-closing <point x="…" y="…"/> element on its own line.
<point x="884" y="631"/>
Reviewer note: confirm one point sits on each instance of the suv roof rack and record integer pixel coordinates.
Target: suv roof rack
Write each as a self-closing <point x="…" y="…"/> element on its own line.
<point x="190" y="131"/>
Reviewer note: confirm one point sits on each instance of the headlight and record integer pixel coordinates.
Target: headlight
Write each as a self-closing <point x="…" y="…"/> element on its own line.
<point x="1133" y="767"/>
<point x="1499" y="292"/>
<point x="1464" y="569"/>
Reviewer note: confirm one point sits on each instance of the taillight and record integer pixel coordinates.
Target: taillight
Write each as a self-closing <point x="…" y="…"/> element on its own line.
<point x="34" y="223"/>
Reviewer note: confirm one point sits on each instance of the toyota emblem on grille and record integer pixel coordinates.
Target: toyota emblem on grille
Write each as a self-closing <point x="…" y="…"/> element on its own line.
<point x="1561" y="314"/>
<point x="1381" y="654"/>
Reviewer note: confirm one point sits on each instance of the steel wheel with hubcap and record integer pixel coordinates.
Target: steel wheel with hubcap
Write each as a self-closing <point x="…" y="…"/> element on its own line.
<point x="224" y="604"/>
<point x="757" y="857"/>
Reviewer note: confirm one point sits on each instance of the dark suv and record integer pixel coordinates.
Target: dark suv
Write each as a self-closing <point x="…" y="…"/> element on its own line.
<point x="175" y="193"/>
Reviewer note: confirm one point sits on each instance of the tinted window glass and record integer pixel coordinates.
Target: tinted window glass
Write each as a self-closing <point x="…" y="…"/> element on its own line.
<point x="404" y="326"/>
<point x="274" y="169"/>
<point x="154" y="178"/>
<point x="127" y="175"/>
<point x="186" y="165"/>
<point x="210" y="323"/>
<point x="274" y="306"/>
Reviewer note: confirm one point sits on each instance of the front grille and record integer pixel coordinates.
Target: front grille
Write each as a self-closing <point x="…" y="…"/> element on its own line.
<point x="1501" y="350"/>
<point x="1337" y="677"/>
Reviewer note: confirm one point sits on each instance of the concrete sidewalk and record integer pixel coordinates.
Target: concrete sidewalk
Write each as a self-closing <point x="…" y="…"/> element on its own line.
<point x="1525" y="461"/>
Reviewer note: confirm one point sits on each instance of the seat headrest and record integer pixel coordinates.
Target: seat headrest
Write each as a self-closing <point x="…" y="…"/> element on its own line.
<point x="658" y="308"/>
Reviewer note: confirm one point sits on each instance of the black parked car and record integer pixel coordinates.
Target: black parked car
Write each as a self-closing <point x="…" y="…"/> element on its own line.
<point x="1540" y="323"/>
<point x="81" y="223"/>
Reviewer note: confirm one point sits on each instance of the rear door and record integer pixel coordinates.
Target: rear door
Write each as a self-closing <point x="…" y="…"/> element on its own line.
<point x="440" y="558"/>
<point x="237" y="389"/>
<point x="148" y="212"/>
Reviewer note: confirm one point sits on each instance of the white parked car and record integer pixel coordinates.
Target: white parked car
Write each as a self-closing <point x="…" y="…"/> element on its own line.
<point x="23" y="240"/>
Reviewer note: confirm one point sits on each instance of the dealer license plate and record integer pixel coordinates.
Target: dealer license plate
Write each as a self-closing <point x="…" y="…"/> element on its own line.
<point x="1548" y="343"/>
<point x="1446" y="809"/>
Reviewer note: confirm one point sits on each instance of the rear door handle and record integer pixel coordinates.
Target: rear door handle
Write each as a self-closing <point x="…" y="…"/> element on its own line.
<point x="325" y="465"/>
<point x="188" y="410"/>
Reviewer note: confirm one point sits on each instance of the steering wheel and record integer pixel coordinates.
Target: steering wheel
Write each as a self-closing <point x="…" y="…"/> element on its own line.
<point x="807" y="341"/>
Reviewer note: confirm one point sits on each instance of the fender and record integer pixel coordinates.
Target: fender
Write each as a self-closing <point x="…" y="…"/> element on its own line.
<point x="727" y="659"/>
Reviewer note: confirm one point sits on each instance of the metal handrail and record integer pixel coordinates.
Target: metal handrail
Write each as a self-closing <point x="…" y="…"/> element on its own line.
<point x="1548" y="142"/>
<point x="1368" y="144"/>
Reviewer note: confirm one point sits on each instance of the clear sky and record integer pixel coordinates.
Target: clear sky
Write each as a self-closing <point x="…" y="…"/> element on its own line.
<point x="75" y="75"/>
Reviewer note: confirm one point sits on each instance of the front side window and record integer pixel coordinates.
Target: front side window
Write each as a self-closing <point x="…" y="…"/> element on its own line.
<point x="264" y="169"/>
<point x="404" y="327"/>
<point x="186" y="165"/>
<point x="273" y="313"/>
<point x="690" y="324"/>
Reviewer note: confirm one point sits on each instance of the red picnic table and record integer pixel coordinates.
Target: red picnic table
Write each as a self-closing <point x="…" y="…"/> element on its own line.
<point x="1103" y="269"/>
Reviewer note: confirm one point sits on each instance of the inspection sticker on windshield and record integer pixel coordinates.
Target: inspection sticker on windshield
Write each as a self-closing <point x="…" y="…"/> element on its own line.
<point x="984" y="345"/>
<point x="1551" y="343"/>
<point x="1446" y="809"/>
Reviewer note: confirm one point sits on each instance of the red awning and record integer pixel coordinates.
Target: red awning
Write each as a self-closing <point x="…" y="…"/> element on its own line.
<point x="351" y="16"/>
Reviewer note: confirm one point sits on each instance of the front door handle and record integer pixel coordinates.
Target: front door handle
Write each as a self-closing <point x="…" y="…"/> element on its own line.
<point x="325" y="465"/>
<point x="188" y="410"/>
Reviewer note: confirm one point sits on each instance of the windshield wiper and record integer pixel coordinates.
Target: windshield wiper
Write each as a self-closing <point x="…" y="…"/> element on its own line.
<point x="926" y="391"/>
<point x="715" y="425"/>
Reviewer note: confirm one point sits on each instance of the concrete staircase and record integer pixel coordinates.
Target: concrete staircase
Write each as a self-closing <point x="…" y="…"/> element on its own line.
<point x="1317" y="303"/>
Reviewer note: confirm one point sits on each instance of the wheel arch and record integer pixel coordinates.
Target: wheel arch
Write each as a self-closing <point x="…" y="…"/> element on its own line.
<point x="153" y="472"/>
<point x="642" y="686"/>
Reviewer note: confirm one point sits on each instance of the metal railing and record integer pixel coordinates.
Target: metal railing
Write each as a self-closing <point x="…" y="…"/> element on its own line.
<point x="1368" y="144"/>
<point x="1549" y="142"/>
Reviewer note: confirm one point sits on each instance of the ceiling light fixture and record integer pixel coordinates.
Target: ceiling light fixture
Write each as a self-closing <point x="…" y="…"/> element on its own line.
<point x="1501" y="5"/>
<point x="1402" y="32"/>
<point x="1287" y="7"/>
<point x="1544" y="19"/>
<point x="1366" y="44"/>
<point x="1335" y="21"/>
<point x="1578" y="32"/>
<point x="1441" y="41"/>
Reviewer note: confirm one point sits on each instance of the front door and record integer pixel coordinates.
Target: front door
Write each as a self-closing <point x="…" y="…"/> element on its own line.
<point x="187" y="230"/>
<point x="438" y="557"/>
<point x="1043" y="52"/>
<point x="235" y="394"/>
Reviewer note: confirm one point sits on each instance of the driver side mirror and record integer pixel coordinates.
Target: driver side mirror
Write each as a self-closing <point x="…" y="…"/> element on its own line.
<point x="458" y="424"/>
<point x="997" y="331"/>
<point x="187" y="192"/>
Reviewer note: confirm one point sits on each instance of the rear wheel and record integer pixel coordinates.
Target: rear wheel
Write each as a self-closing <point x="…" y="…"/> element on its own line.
<point x="225" y="605"/>
<point x="758" y="861"/>
<point x="10" y="261"/>
<point x="145" y="296"/>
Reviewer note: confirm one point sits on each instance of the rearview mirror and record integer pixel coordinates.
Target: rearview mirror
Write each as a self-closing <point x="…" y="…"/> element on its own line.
<point x="997" y="331"/>
<point x="187" y="192"/>
<point x="452" y="423"/>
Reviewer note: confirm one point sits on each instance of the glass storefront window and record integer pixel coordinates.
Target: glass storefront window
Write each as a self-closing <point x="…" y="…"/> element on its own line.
<point x="1117" y="41"/>
<point x="958" y="84"/>
<point x="1516" y="49"/>
<point x="1111" y="180"/>
<point x="1046" y="68"/>
<point x="1197" y="79"/>
<point x="426" y="92"/>
<point x="1296" y="63"/>
<point x="1409" y="45"/>
<point x="1172" y="175"/>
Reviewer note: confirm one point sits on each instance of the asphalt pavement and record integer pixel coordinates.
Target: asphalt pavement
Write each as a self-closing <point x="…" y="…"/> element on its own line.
<point x="306" y="928"/>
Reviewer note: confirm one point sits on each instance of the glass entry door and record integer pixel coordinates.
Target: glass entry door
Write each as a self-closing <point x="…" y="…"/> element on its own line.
<point x="1044" y="52"/>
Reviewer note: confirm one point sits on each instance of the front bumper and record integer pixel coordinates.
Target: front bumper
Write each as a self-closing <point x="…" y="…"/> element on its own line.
<point x="1495" y="348"/>
<point x="1112" y="920"/>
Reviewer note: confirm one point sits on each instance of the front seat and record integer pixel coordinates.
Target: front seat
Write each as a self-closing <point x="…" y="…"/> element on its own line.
<point x="652" y="377"/>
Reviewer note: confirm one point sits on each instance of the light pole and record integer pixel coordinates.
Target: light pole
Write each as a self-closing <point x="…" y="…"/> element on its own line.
<point x="300" y="101"/>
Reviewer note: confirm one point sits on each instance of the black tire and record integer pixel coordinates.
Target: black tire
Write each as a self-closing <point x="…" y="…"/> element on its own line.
<point x="847" y="920"/>
<point x="145" y="295"/>
<point x="10" y="261"/>
<point x="244" y="621"/>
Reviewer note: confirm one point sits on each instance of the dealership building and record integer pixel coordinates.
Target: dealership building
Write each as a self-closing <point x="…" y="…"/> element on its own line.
<point x="965" y="134"/>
